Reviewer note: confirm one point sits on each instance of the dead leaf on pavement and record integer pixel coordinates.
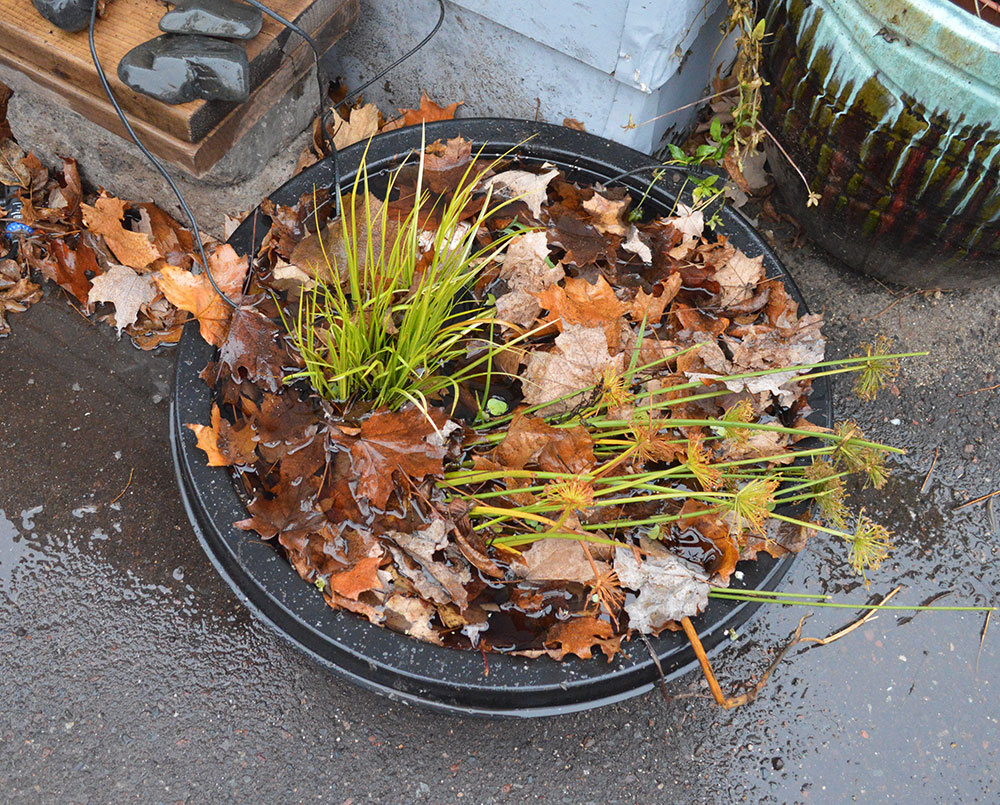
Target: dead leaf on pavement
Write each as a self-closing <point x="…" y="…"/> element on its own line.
<point x="132" y="249"/>
<point x="124" y="289"/>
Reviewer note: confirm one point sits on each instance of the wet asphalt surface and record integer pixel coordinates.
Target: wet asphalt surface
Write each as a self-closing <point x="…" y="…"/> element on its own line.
<point x="130" y="672"/>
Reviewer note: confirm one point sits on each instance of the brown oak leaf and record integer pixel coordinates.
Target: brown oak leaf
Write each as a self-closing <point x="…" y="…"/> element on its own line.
<point x="579" y="635"/>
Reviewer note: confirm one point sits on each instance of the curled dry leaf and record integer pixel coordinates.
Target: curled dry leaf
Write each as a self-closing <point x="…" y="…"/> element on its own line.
<point x="441" y="582"/>
<point x="667" y="588"/>
<point x="132" y="249"/>
<point x="636" y="245"/>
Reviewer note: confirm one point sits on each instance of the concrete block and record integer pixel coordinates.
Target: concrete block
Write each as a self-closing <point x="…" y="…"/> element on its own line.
<point x="261" y="161"/>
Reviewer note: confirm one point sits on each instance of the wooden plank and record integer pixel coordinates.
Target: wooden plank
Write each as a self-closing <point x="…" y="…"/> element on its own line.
<point x="195" y="159"/>
<point x="27" y="37"/>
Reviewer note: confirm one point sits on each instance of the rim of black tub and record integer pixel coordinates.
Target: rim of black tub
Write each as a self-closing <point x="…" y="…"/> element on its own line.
<point x="373" y="656"/>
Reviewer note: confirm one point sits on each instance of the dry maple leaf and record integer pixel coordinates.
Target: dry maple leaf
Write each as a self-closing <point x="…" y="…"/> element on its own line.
<point x="689" y="221"/>
<point x="173" y="241"/>
<point x="531" y="440"/>
<point x="132" y="249"/>
<point x="427" y="113"/>
<point x="361" y="578"/>
<point x="578" y="362"/>
<point x="523" y="186"/>
<point x="606" y="214"/>
<point x="667" y="588"/>
<point x="16" y="292"/>
<point x="224" y="444"/>
<point x="649" y="307"/>
<point x="579" y="635"/>
<point x="361" y="124"/>
<point x="124" y="289"/>
<point x="388" y="441"/>
<point x="195" y="294"/>
<point x="589" y="305"/>
<point x="65" y="266"/>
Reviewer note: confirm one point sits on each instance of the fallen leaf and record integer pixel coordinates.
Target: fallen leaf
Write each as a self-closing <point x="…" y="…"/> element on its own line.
<point x="445" y="164"/>
<point x="581" y="241"/>
<point x="573" y="123"/>
<point x="361" y="578"/>
<point x="518" y="307"/>
<point x="579" y="635"/>
<point x="531" y="440"/>
<point x="173" y="241"/>
<point x="124" y="289"/>
<point x="636" y="245"/>
<point x="587" y="304"/>
<point x="523" y="186"/>
<point x="738" y="279"/>
<point x="689" y="221"/>
<point x="526" y="266"/>
<point x="132" y="249"/>
<point x="224" y="444"/>
<point x="361" y="125"/>
<point x="649" y="307"/>
<point x="441" y="582"/>
<point x="12" y="172"/>
<point x="66" y="266"/>
<point x="606" y="214"/>
<point x="390" y="441"/>
<point x="667" y="588"/>
<point x="560" y="560"/>
<point x="252" y="345"/>
<point x="411" y="616"/>
<point x="16" y="292"/>
<point x="578" y="362"/>
<point x="428" y="112"/>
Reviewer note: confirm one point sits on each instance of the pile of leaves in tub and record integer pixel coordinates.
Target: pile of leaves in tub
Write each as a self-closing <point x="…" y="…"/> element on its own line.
<point x="619" y="418"/>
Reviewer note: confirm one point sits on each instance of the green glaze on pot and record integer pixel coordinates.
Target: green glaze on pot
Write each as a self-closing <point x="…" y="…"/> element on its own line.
<point x="891" y="109"/>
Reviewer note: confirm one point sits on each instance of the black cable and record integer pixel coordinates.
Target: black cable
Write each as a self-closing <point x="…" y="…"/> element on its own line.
<point x="153" y="160"/>
<point x="357" y="91"/>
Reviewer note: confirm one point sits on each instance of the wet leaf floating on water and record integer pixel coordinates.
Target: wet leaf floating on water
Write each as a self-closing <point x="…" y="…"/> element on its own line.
<point x="580" y="636"/>
<point x="669" y="588"/>
<point x="388" y="442"/>
<point x="251" y="348"/>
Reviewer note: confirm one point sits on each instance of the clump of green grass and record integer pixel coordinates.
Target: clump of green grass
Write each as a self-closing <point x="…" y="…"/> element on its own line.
<point x="382" y="322"/>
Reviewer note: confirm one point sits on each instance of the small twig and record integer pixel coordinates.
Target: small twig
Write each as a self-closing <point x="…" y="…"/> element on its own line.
<point x="890" y="306"/>
<point x="868" y="616"/>
<point x="730" y="702"/>
<point x="659" y="668"/>
<point x="982" y="639"/>
<point x="976" y="391"/>
<point x="927" y="477"/>
<point x="813" y="197"/>
<point x="630" y="126"/>
<point x="83" y="315"/>
<point x="131" y="472"/>
<point x="980" y="499"/>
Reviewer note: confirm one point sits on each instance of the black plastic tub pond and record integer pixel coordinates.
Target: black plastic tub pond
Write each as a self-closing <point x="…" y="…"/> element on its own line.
<point x="377" y="658"/>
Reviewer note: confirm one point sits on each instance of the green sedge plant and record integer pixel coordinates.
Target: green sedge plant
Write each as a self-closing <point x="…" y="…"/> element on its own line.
<point x="393" y="321"/>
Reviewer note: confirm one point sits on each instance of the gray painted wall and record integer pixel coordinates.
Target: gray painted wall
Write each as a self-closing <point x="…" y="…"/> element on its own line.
<point x="604" y="63"/>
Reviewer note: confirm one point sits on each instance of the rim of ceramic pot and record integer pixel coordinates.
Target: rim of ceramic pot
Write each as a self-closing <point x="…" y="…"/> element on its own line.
<point x="377" y="658"/>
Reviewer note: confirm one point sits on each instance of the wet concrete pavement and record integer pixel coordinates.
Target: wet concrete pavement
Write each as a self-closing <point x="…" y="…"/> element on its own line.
<point x="131" y="673"/>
